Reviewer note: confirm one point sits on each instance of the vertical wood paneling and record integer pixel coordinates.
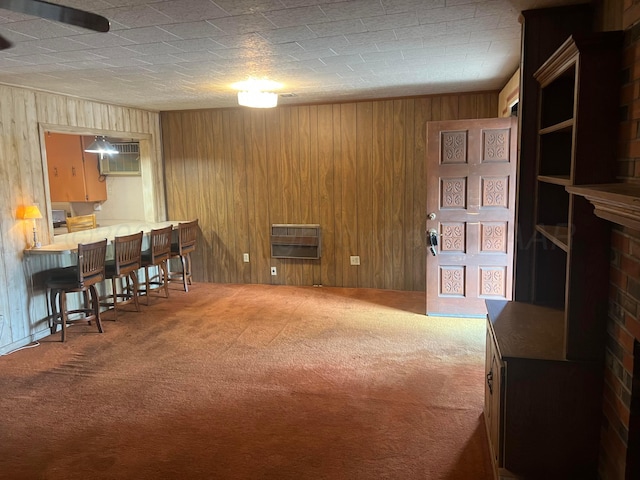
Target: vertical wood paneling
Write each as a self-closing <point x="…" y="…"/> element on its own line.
<point x="240" y="218"/>
<point x="409" y="200"/>
<point x="389" y="187"/>
<point x="365" y="202"/>
<point x="449" y="107"/>
<point x="421" y="117"/>
<point x="342" y="250"/>
<point x="487" y="105"/>
<point x="349" y="191"/>
<point x="314" y="179"/>
<point x="174" y="154"/>
<point x="378" y="202"/>
<point x="261" y="181"/>
<point x="279" y="161"/>
<point x="326" y="194"/>
<point x="22" y="181"/>
<point x="357" y="169"/>
<point x="467" y="106"/>
<point x="209" y="128"/>
<point x="284" y="188"/>
<point x="397" y="195"/>
<point x="305" y="269"/>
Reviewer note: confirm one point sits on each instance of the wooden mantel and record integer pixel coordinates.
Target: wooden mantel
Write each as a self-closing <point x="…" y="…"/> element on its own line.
<point x="617" y="202"/>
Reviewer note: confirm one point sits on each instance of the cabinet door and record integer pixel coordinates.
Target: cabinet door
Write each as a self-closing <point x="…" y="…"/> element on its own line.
<point x="493" y="400"/>
<point x="95" y="184"/>
<point x="65" y="167"/>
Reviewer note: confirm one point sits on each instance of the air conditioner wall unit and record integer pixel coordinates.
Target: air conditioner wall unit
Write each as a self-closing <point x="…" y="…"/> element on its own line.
<point x="125" y="163"/>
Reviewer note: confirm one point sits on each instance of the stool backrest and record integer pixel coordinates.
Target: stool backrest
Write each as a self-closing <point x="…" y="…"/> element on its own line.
<point x="91" y="258"/>
<point x="187" y="236"/>
<point x="127" y="250"/>
<point x="81" y="222"/>
<point x="160" y="239"/>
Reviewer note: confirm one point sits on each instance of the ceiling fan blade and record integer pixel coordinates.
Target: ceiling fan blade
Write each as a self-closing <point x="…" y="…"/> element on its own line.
<point x="4" y="43"/>
<point x="59" y="13"/>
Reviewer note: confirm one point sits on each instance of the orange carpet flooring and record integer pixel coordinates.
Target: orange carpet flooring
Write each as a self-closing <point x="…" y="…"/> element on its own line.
<point x="252" y="382"/>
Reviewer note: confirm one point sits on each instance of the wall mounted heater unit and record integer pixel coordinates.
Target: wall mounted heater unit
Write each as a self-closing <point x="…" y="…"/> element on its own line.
<point x="295" y="241"/>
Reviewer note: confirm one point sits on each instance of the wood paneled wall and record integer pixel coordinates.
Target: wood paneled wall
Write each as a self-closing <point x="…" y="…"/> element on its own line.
<point x="357" y="169"/>
<point x="22" y="182"/>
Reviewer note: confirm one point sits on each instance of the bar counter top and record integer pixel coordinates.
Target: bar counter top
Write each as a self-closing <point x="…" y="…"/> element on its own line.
<point x="68" y="242"/>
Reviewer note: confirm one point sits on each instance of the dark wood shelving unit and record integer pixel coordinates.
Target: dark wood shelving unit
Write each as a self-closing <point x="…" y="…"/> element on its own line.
<point x="547" y="353"/>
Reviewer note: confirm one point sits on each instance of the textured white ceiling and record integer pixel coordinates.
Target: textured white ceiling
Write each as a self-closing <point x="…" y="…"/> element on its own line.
<point x="185" y="54"/>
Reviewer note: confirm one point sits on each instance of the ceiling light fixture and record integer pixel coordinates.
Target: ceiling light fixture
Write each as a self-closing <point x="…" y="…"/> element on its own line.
<point x="100" y="145"/>
<point x="255" y="93"/>
<point x="257" y="99"/>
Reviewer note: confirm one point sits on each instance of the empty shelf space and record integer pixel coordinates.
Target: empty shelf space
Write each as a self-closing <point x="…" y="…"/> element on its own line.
<point x="557" y="234"/>
<point x="564" y="126"/>
<point x="555" y="179"/>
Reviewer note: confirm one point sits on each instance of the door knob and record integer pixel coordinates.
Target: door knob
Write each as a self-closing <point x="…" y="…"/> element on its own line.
<point x="433" y="240"/>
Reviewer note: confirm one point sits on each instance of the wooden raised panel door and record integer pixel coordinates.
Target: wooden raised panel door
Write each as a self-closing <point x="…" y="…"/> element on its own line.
<point x="471" y="169"/>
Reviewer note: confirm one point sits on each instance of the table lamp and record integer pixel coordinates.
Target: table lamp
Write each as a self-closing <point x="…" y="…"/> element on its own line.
<point x="32" y="212"/>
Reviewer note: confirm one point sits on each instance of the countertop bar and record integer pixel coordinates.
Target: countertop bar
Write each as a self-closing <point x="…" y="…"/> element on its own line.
<point x="68" y="242"/>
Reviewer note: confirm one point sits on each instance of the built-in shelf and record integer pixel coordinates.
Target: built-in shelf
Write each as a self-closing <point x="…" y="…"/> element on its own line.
<point x="616" y="202"/>
<point x="566" y="125"/>
<point x="557" y="234"/>
<point x="555" y="179"/>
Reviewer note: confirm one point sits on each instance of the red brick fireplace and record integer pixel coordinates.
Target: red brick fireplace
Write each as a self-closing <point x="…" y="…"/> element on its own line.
<point x="619" y="432"/>
<point x="620" y="438"/>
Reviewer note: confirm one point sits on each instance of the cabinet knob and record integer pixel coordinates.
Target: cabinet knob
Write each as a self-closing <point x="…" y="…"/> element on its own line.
<point x="55" y="171"/>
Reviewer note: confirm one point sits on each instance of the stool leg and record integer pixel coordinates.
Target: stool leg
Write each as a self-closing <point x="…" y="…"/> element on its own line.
<point x="54" y="310"/>
<point x="95" y="303"/>
<point x="163" y="272"/>
<point x="134" y="291"/>
<point x="189" y="267"/>
<point x="183" y="260"/>
<point x="146" y="283"/>
<point x="114" y="291"/>
<point x="63" y="314"/>
<point x="87" y="304"/>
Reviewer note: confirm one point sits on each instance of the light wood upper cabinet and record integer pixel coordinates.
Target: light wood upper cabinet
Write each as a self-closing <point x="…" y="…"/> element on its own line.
<point x="73" y="174"/>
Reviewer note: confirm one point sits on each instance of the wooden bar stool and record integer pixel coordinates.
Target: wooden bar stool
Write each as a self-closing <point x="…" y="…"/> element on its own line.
<point x="157" y="256"/>
<point x="79" y="278"/>
<point x="127" y="250"/>
<point x="187" y="236"/>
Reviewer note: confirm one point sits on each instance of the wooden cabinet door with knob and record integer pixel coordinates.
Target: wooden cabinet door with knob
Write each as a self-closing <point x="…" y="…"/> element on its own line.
<point x="72" y="176"/>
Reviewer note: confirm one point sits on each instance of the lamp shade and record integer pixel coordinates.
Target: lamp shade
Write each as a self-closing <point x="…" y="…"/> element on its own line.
<point x="100" y="145"/>
<point x="257" y="99"/>
<point x="31" y="211"/>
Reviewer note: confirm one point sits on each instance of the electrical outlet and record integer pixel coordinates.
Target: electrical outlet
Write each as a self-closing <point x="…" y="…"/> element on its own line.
<point x="245" y="257"/>
<point x="274" y="271"/>
<point x="354" y="260"/>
